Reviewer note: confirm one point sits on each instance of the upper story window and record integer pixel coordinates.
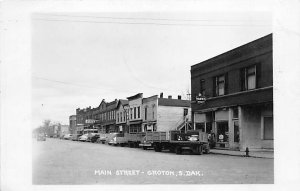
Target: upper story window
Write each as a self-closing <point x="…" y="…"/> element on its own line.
<point x="134" y="112"/>
<point x="130" y="113"/>
<point x="185" y="112"/>
<point x="145" y="113"/>
<point x="153" y="108"/>
<point x="202" y="87"/>
<point x="220" y="85"/>
<point x="250" y="78"/>
<point x="139" y="110"/>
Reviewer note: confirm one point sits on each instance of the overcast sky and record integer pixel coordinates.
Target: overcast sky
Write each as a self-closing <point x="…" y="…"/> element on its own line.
<point x="80" y="59"/>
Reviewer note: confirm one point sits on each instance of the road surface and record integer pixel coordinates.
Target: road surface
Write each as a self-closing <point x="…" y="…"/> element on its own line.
<point x="58" y="161"/>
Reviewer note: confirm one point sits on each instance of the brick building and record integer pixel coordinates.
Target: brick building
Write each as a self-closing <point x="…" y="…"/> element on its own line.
<point x="232" y="96"/>
<point x="105" y="116"/>
<point x="72" y="124"/>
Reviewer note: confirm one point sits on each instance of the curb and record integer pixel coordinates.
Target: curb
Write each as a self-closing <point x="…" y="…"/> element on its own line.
<point x="216" y="153"/>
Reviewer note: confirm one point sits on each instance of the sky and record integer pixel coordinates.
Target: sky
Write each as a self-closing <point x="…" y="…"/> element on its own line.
<point x="80" y="59"/>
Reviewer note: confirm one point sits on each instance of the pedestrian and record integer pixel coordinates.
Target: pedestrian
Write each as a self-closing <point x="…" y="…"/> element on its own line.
<point x="212" y="140"/>
<point x="221" y="137"/>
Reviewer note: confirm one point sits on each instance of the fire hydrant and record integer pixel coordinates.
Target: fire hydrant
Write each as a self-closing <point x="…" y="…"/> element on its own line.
<point x="247" y="152"/>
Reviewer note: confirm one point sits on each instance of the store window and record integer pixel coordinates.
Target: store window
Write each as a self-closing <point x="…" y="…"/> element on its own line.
<point x="268" y="128"/>
<point x="200" y="126"/>
<point x="220" y="85"/>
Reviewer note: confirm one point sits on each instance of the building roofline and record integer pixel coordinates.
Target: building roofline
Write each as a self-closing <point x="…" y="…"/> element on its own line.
<point x="139" y="95"/>
<point x="227" y="53"/>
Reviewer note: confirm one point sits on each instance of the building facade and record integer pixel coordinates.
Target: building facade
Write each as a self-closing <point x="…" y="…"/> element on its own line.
<point x="122" y="115"/>
<point x="165" y="114"/>
<point x="72" y="124"/>
<point x="134" y="122"/>
<point x="232" y="96"/>
<point x="105" y="117"/>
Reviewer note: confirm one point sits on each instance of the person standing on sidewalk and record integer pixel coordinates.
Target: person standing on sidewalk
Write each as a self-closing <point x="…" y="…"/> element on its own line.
<point x="211" y="140"/>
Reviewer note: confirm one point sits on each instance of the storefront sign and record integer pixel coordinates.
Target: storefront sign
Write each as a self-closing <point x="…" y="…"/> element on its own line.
<point x="200" y="99"/>
<point x="89" y="121"/>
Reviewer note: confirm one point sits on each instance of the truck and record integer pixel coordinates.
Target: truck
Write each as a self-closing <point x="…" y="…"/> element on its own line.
<point x="134" y="139"/>
<point x="177" y="141"/>
<point x="116" y="139"/>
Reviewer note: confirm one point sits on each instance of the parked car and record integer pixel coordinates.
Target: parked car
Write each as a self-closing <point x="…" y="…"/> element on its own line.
<point x="102" y="138"/>
<point x="95" y="137"/>
<point x="68" y="136"/>
<point x="90" y="135"/>
<point x="41" y="137"/>
<point x="83" y="137"/>
<point x="75" y="137"/>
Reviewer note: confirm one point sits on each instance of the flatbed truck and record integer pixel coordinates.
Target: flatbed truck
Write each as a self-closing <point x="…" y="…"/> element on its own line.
<point x="176" y="141"/>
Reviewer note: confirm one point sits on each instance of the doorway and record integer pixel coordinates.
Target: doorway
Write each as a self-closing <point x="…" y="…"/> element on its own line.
<point x="222" y="132"/>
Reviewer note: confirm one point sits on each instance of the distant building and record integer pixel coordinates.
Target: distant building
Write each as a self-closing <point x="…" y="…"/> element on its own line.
<point x="134" y="116"/>
<point x="72" y="124"/>
<point x="232" y="96"/>
<point x="64" y="129"/>
<point x="105" y="116"/>
<point x="121" y="115"/>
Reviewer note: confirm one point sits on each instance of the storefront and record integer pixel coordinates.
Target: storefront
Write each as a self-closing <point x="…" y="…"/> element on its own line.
<point x="135" y="126"/>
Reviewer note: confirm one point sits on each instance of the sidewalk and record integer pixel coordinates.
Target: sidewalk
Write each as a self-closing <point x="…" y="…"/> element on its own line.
<point x="256" y="154"/>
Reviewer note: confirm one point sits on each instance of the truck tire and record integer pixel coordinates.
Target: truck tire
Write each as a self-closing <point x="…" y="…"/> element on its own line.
<point x="206" y="149"/>
<point x="178" y="150"/>
<point x="159" y="148"/>
<point x="144" y="148"/>
<point x="200" y="150"/>
<point x="172" y="149"/>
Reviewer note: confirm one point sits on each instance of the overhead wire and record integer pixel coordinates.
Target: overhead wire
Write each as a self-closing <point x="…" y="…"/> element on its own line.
<point x="151" y="23"/>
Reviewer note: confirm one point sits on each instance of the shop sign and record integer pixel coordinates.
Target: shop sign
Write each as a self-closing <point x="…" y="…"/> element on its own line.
<point x="200" y="99"/>
<point x="89" y="121"/>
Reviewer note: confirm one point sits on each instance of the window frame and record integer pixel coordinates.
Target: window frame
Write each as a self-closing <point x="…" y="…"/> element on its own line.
<point x="247" y="75"/>
<point x="217" y="85"/>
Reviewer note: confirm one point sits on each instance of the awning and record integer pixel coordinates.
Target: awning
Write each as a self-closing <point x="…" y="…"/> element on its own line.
<point x="135" y="122"/>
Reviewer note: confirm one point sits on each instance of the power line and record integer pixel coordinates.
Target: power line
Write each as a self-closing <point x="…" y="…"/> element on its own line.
<point x="62" y="82"/>
<point x="92" y="87"/>
<point x="143" y="18"/>
<point x="148" y="23"/>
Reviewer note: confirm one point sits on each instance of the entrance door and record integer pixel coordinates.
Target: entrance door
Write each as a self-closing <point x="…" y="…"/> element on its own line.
<point x="222" y="131"/>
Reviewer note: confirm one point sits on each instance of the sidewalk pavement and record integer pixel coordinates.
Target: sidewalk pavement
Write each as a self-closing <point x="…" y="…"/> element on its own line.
<point x="256" y="154"/>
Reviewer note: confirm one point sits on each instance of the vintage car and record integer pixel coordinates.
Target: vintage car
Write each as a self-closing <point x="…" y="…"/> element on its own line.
<point x="41" y="137"/>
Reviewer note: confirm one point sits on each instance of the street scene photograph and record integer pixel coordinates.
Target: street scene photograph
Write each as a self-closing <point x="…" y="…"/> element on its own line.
<point x="152" y="98"/>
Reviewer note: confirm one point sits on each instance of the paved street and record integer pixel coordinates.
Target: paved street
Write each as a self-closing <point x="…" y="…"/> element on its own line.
<point x="68" y="162"/>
